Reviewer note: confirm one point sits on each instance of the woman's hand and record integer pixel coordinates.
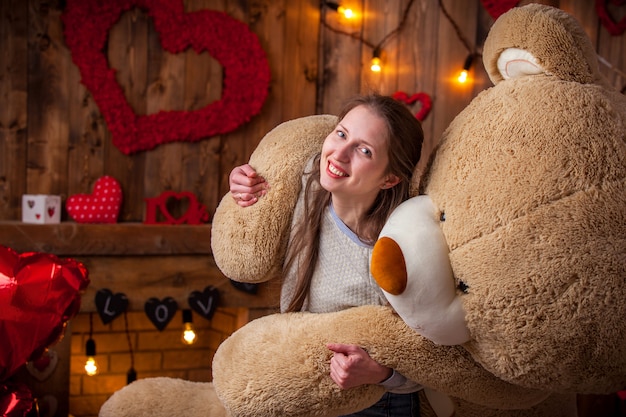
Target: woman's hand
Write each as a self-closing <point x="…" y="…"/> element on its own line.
<point x="246" y="186"/>
<point x="351" y="366"/>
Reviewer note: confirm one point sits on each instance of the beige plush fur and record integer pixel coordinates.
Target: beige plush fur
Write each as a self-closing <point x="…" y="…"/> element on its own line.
<point x="249" y="244"/>
<point x="531" y="177"/>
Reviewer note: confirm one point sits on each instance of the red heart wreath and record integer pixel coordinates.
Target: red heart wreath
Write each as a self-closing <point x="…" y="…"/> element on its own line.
<point x="614" y="28"/>
<point x="498" y="7"/>
<point x="422" y="98"/>
<point x="230" y="42"/>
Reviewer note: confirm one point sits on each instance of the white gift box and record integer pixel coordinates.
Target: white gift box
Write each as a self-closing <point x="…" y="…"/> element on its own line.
<point x="41" y="208"/>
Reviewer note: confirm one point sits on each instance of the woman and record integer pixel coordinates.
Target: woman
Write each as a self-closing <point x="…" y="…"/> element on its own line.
<point x="362" y="173"/>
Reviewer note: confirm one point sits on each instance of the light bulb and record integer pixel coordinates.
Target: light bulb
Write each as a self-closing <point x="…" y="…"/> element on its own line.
<point x="189" y="336"/>
<point x="462" y="78"/>
<point x="464" y="74"/>
<point x="347" y="13"/>
<point x="91" y="366"/>
<point x="376" y="64"/>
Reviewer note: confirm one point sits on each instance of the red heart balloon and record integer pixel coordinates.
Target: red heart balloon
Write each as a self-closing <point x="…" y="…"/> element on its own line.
<point x="39" y="293"/>
<point x="498" y="7"/>
<point x="16" y="400"/>
<point x="102" y="206"/>
<point x="245" y="68"/>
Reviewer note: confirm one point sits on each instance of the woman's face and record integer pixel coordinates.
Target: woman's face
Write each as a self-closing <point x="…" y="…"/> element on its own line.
<point x="354" y="157"/>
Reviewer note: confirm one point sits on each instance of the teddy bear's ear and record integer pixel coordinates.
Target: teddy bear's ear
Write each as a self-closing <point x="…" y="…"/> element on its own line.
<point x="249" y="243"/>
<point x="537" y="39"/>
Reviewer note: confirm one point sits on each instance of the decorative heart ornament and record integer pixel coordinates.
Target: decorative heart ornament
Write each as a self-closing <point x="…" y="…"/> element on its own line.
<point x="160" y="312"/>
<point x="613" y="27"/>
<point x="39" y="293"/>
<point x="498" y="7"/>
<point x="229" y="41"/>
<point x="109" y="305"/>
<point x="422" y="98"/>
<point x="205" y="302"/>
<point x="103" y="206"/>
<point x="44" y="366"/>
<point x="158" y="211"/>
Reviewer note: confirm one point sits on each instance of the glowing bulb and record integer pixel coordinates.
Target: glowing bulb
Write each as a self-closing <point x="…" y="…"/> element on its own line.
<point x="375" y="64"/>
<point x="347" y="13"/>
<point x="91" y="366"/>
<point x="464" y="74"/>
<point x="462" y="78"/>
<point x="189" y="336"/>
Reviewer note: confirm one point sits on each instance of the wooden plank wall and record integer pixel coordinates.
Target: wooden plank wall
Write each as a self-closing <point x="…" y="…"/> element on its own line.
<point x="54" y="140"/>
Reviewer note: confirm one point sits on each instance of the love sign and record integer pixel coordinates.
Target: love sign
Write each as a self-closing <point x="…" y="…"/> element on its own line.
<point x="205" y="302"/>
<point x="110" y="305"/>
<point x="158" y="209"/>
<point x="161" y="312"/>
<point x="229" y="41"/>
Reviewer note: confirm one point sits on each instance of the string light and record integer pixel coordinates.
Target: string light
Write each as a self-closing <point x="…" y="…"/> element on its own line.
<point x="376" y="63"/>
<point x="91" y="366"/>
<point x="189" y="336"/>
<point x="347" y="13"/>
<point x="463" y="75"/>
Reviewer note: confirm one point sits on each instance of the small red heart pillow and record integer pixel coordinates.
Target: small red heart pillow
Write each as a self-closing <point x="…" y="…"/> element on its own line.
<point x="103" y="206"/>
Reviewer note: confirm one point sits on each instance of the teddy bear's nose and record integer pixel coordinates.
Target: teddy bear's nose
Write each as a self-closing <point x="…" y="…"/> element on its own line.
<point x="388" y="266"/>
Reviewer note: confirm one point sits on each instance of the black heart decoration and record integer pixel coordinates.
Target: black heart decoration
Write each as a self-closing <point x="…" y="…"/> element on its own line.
<point x="160" y="312"/>
<point x="110" y="305"/>
<point x="205" y="302"/>
<point x="247" y="287"/>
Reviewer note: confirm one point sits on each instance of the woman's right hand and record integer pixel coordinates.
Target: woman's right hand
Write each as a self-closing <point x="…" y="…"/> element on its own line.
<point x="246" y="186"/>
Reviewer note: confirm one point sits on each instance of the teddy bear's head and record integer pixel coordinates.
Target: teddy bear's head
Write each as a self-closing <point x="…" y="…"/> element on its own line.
<point x="530" y="181"/>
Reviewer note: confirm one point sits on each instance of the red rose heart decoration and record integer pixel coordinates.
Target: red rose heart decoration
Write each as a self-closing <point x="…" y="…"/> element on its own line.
<point x="422" y="98"/>
<point x="614" y="28"/>
<point x="103" y="206"/>
<point x="245" y="68"/>
<point x="39" y="293"/>
<point x="498" y="7"/>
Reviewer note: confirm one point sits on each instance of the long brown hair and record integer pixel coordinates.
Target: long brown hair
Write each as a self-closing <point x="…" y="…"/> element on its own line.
<point x="404" y="140"/>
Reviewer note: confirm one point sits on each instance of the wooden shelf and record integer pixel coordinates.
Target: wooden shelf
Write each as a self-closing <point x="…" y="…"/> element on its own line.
<point x="137" y="259"/>
<point x="127" y="239"/>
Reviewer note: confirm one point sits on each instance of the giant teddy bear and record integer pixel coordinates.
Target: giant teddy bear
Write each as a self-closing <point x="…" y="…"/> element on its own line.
<point x="527" y="189"/>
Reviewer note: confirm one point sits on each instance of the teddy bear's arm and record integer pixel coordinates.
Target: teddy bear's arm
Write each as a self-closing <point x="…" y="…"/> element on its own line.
<point x="278" y="365"/>
<point x="248" y="243"/>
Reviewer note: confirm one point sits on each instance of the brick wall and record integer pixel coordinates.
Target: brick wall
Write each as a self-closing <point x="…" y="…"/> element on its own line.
<point x="156" y="353"/>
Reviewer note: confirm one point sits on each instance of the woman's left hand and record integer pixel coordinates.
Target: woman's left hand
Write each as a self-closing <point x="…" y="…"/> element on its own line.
<point x="351" y="366"/>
